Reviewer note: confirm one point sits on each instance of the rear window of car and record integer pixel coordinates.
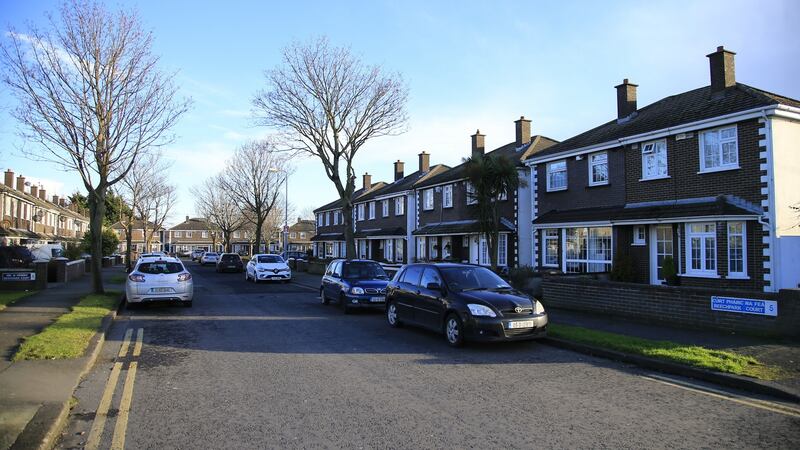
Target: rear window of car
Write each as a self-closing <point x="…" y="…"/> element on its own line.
<point x="267" y="259"/>
<point x="363" y="270"/>
<point x="230" y="258"/>
<point x="158" y="267"/>
<point x="210" y="254"/>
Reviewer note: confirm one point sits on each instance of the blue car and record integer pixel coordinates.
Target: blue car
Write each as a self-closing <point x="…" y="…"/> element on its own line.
<point x="355" y="283"/>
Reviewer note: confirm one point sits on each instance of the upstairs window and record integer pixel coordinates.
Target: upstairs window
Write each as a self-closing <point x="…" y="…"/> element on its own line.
<point x="427" y="199"/>
<point x="319" y="220"/>
<point x="204" y="234"/>
<point x="177" y="234"/>
<point x="360" y="211"/>
<point x="719" y="150"/>
<point x="557" y="176"/>
<point x="447" y="196"/>
<point x="399" y="206"/>
<point x="471" y="197"/>
<point x="385" y="208"/>
<point x="654" y="160"/>
<point x="336" y="217"/>
<point x="327" y="218"/>
<point x="371" y="210"/>
<point x="598" y="169"/>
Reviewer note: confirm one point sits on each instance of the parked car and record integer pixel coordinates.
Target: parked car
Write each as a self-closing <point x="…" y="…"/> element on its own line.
<point x="294" y="255"/>
<point x="196" y="254"/>
<point x="209" y="258"/>
<point x="357" y="283"/>
<point x="464" y="302"/>
<point x="184" y="253"/>
<point x="267" y="267"/>
<point x="230" y="262"/>
<point x="163" y="279"/>
<point x="15" y="256"/>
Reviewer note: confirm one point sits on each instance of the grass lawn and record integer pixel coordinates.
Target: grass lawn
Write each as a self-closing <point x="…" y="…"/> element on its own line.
<point x="117" y="279"/>
<point x="69" y="336"/>
<point x="9" y="297"/>
<point x="719" y="360"/>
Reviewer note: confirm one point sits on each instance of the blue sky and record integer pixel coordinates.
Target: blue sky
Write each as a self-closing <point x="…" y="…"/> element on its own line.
<point x="468" y="65"/>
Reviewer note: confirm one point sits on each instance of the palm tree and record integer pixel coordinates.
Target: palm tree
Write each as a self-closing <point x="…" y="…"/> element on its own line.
<point x="491" y="177"/>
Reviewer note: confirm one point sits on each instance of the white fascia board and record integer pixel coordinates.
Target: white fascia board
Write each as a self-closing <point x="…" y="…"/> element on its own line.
<point x="439" y="184"/>
<point x="391" y="196"/>
<point x="605" y="223"/>
<point x="685" y="219"/>
<point x="657" y="134"/>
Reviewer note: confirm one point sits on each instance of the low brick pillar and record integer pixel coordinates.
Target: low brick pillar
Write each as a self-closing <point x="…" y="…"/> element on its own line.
<point x="40" y="267"/>
<point x="107" y="261"/>
<point x="58" y="267"/>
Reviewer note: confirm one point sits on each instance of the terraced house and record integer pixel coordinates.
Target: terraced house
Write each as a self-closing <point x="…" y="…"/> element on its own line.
<point x="139" y="238"/>
<point x="386" y="217"/>
<point x="446" y="228"/>
<point x="28" y="217"/>
<point x="194" y="234"/>
<point x="707" y="178"/>
<point x="300" y="235"/>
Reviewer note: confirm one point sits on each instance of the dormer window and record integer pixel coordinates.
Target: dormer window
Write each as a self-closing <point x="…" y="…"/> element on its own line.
<point x="719" y="150"/>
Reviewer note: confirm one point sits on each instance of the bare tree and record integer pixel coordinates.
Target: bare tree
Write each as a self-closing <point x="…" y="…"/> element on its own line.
<point x="154" y="208"/>
<point x="253" y="177"/>
<point x="330" y="104"/>
<point x="91" y="95"/>
<point x="218" y="208"/>
<point x="132" y="189"/>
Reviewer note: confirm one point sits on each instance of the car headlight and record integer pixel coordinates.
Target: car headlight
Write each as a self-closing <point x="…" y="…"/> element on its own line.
<point x="357" y="290"/>
<point x="480" y="310"/>
<point x="261" y="269"/>
<point x="538" y="308"/>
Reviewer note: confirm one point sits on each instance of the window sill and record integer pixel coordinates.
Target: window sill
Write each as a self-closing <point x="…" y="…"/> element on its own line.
<point x="700" y="275"/>
<point x="737" y="277"/>
<point x="447" y="207"/>
<point x="718" y="169"/>
<point x="597" y="185"/>
<point x="553" y="266"/>
<point x="664" y="177"/>
<point x="556" y="190"/>
<point x="638" y="244"/>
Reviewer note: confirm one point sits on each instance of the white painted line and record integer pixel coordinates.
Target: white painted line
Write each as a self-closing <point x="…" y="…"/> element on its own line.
<point x="711" y="392"/>
<point x="118" y="440"/>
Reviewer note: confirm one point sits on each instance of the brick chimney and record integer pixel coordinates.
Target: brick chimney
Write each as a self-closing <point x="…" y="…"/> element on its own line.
<point x="55" y="199"/>
<point x="34" y="190"/>
<point x="9" y="180"/>
<point x="478" y="146"/>
<point x="626" y="99"/>
<point x="187" y="218"/>
<point x="62" y="202"/>
<point x="398" y="170"/>
<point x="523" y="131"/>
<point x="723" y="70"/>
<point x="366" y="181"/>
<point x="43" y="194"/>
<point x="21" y="183"/>
<point x="424" y="162"/>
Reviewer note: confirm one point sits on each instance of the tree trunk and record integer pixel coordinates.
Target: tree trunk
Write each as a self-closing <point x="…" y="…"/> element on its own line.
<point x="349" y="235"/>
<point x="97" y="211"/>
<point x="227" y="239"/>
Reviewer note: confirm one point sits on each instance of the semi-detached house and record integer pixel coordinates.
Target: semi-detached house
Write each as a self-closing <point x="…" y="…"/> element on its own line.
<point x="707" y="177"/>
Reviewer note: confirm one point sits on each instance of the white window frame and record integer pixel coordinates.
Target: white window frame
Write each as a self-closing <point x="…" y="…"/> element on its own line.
<point x="327" y="218"/>
<point x="188" y="234"/>
<point x="399" y="206"/>
<point x="319" y="219"/>
<point x="549" y="234"/>
<point x="427" y="199"/>
<point x="302" y="235"/>
<point x="550" y="172"/>
<point x="743" y="234"/>
<point x="360" y="209"/>
<point x="177" y="234"/>
<point x="655" y="150"/>
<point x="704" y="271"/>
<point x="236" y="235"/>
<point x="421" y="247"/>
<point x="502" y="249"/>
<point x="470" y="189"/>
<point x="593" y="164"/>
<point x="447" y="196"/>
<point x="483" y="252"/>
<point x="385" y="208"/>
<point x="204" y="234"/>
<point x="637" y="239"/>
<point x="371" y="210"/>
<point x="336" y="217"/>
<point x="722" y="166"/>
<point x="292" y="235"/>
<point x="564" y="257"/>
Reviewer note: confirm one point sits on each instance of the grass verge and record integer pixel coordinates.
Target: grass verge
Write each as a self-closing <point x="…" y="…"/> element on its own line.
<point x="9" y="297"/>
<point x="69" y="336"/>
<point x="117" y="279"/>
<point x="718" y="360"/>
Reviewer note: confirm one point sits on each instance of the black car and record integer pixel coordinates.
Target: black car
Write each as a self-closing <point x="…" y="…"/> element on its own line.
<point x="294" y="255"/>
<point x="355" y="283"/>
<point x="230" y="262"/>
<point x="15" y="256"/>
<point x="463" y="302"/>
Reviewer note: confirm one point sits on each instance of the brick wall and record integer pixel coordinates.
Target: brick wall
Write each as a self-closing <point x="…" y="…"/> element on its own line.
<point x="677" y="306"/>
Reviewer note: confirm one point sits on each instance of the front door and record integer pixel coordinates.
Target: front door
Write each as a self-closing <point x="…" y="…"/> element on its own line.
<point x="660" y="247"/>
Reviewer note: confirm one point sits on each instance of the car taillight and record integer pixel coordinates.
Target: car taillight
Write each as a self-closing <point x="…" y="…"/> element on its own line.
<point x="136" y="277"/>
<point x="184" y="277"/>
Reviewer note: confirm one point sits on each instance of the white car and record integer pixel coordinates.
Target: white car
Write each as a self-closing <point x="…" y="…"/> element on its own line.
<point x="162" y="279"/>
<point x="267" y="267"/>
<point x="209" y="258"/>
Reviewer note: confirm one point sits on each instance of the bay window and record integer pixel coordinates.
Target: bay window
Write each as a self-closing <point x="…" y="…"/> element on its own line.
<point x="654" y="160"/>
<point x="701" y="249"/>
<point x="598" y="169"/>
<point x="587" y="250"/>
<point x="557" y="176"/>
<point x="719" y="150"/>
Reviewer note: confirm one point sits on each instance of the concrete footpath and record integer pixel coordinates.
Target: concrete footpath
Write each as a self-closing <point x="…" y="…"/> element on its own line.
<point x="33" y="393"/>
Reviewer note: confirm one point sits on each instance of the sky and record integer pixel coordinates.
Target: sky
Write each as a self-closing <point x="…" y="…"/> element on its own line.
<point x="468" y="65"/>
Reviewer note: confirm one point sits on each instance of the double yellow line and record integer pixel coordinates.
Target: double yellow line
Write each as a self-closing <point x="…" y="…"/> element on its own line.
<point x="121" y="426"/>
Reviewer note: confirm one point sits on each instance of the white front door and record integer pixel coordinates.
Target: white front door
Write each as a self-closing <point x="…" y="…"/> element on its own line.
<point x="660" y="247"/>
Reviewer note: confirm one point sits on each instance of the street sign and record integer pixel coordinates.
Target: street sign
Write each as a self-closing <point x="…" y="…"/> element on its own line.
<point x="745" y="305"/>
<point x="19" y="276"/>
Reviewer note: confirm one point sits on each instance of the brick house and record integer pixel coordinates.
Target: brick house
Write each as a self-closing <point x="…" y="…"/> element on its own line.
<point x="329" y="236"/>
<point x="446" y="227"/>
<point x="704" y="176"/>
<point x="385" y="217"/>
<point x="194" y="234"/>
<point x="28" y="217"/>
<point x="138" y="244"/>
<point x="300" y="235"/>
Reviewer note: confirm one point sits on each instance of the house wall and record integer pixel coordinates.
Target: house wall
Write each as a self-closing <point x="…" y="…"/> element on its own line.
<point x="785" y="189"/>
<point x="391" y="221"/>
<point x="524" y="246"/>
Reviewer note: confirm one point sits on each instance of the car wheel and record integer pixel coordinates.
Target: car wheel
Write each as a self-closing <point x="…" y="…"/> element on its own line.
<point x="391" y="315"/>
<point x="343" y="304"/>
<point x="322" y="296"/>
<point x="454" y="331"/>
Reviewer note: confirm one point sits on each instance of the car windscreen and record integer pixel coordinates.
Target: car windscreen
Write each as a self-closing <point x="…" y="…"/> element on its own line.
<point x="363" y="271"/>
<point x="230" y="258"/>
<point x="472" y="278"/>
<point x="158" y="267"/>
<point x="269" y="259"/>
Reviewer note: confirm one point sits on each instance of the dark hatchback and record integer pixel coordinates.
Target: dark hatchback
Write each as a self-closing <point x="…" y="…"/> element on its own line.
<point x="464" y="302"/>
<point x="230" y="262"/>
<point x="357" y="283"/>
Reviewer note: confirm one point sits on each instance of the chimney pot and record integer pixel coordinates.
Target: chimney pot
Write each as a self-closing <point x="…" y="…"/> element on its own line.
<point x="21" y="183"/>
<point x="9" y="179"/>
<point x="722" y="68"/>
<point x="478" y="146"/>
<point x="424" y="162"/>
<point x="626" y="99"/>
<point x="366" y="181"/>
<point x="399" y="167"/>
<point x="523" y="131"/>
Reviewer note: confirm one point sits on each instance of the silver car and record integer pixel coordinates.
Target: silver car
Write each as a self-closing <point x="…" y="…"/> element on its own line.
<point x="163" y="279"/>
<point x="209" y="258"/>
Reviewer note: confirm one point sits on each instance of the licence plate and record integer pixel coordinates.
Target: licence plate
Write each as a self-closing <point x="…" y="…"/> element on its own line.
<point x="231" y="267"/>
<point x="520" y="324"/>
<point x="377" y="299"/>
<point x="161" y="290"/>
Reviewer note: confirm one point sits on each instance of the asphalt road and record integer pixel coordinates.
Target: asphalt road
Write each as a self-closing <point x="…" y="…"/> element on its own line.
<point x="268" y="366"/>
